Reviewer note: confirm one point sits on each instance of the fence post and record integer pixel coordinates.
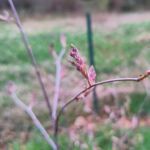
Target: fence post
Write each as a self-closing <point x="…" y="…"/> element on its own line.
<point x="91" y="56"/>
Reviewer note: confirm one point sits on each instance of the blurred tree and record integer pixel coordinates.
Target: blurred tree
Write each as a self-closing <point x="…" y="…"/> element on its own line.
<point x="95" y="4"/>
<point x="77" y="5"/>
<point x="116" y="4"/>
<point x="103" y="4"/>
<point x="64" y="5"/>
<point x="3" y="3"/>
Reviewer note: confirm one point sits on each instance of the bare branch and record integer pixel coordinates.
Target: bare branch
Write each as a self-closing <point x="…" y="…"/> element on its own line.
<point x="140" y="78"/>
<point x="35" y="120"/>
<point x="30" y="53"/>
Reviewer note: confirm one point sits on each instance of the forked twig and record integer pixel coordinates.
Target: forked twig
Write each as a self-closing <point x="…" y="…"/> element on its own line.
<point x="29" y="111"/>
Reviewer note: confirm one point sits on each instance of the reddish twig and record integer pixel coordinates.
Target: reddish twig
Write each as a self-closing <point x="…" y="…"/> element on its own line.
<point x="76" y="97"/>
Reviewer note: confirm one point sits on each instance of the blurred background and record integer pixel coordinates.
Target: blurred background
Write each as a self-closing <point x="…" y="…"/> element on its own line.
<point x="118" y="45"/>
<point x="45" y="6"/>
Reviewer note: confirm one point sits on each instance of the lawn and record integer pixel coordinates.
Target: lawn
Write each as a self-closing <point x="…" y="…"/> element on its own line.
<point x="121" y="52"/>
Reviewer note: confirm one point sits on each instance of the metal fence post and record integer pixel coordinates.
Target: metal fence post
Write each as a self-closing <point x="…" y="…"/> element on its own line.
<point x="91" y="56"/>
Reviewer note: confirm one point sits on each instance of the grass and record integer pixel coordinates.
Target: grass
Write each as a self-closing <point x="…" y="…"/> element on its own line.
<point x="102" y="138"/>
<point x="113" y="52"/>
<point x="140" y="138"/>
<point x="37" y="143"/>
<point x="140" y="104"/>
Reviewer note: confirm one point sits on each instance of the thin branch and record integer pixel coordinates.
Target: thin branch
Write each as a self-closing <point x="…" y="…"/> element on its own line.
<point x="35" y="120"/>
<point x="30" y="53"/>
<point x="90" y="87"/>
<point x="57" y="83"/>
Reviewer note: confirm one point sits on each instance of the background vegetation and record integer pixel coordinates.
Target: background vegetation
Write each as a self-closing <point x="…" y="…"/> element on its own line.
<point x="121" y="50"/>
<point x="78" y="5"/>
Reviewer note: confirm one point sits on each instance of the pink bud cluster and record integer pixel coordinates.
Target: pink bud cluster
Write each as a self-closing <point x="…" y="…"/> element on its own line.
<point x="142" y="77"/>
<point x="78" y="61"/>
<point x="81" y="66"/>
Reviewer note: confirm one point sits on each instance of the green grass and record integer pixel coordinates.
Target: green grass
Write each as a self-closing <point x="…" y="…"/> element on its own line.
<point x="145" y="144"/>
<point x="102" y="138"/>
<point x="38" y="143"/>
<point x="140" y="104"/>
<point x="112" y="50"/>
<point x="140" y="137"/>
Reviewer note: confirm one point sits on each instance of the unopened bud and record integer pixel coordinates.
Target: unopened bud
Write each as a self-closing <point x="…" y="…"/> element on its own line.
<point x="148" y="72"/>
<point x="91" y="75"/>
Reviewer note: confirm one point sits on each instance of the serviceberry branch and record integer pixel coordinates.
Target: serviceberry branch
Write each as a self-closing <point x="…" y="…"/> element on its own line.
<point x="81" y="68"/>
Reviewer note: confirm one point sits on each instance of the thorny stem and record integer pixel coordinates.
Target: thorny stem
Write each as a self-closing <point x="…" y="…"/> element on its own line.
<point x="140" y="78"/>
<point x="35" y="120"/>
<point x="30" y="53"/>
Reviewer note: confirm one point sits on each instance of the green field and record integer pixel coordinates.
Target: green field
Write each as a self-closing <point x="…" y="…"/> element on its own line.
<point x="122" y="52"/>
